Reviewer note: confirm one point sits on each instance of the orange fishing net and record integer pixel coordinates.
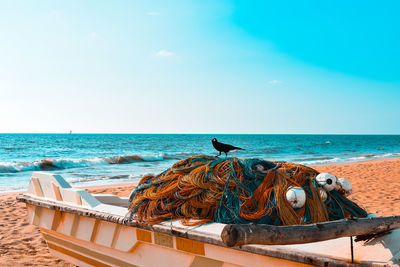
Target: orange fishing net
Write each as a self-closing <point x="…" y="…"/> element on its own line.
<point x="233" y="190"/>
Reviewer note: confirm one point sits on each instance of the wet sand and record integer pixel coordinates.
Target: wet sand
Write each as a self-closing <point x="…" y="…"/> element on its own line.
<point x="376" y="187"/>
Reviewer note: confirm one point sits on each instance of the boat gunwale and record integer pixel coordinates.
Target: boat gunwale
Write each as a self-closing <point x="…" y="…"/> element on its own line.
<point x="280" y="252"/>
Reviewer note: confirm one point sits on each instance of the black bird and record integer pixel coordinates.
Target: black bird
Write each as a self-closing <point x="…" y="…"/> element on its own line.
<point x="223" y="147"/>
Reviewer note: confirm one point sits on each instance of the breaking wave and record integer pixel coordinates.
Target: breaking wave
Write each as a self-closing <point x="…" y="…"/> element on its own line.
<point x="48" y="164"/>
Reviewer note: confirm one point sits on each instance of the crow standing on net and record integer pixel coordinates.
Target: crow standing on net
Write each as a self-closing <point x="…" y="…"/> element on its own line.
<point x="223" y="147"/>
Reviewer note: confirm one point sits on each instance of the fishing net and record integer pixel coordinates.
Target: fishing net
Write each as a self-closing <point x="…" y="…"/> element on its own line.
<point x="235" y="191"/>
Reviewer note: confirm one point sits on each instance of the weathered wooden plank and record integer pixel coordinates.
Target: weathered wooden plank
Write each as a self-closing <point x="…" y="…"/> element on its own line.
<point x="238" y="235"/>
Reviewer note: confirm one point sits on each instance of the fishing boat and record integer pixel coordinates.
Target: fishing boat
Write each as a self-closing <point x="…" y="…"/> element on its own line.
<point x="93" y="230"/>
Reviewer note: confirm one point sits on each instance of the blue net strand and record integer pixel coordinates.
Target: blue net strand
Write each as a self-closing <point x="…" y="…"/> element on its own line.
<point x="242" y="178"/>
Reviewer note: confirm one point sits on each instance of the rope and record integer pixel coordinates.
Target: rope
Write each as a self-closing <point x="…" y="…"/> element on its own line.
<point x="234" y="191"/>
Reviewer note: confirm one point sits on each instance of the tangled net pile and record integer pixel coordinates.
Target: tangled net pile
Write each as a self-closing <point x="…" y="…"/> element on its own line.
<point x="235" y="191"/>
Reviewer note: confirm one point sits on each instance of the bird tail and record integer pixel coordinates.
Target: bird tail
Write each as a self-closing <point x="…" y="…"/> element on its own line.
<point x="239" y="148"/>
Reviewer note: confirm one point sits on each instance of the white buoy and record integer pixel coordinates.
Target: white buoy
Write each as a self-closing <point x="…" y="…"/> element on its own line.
<point x="296" y="197"/>
<point x="259" y="167"/>
<point x="345" y="185"/>
<point x="327" y="181"/>
<point x="337" y="186"/>
<point x="322" y="194"/>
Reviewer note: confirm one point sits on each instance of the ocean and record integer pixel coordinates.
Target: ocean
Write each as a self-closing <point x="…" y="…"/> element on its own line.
<point x="101" y="159"/>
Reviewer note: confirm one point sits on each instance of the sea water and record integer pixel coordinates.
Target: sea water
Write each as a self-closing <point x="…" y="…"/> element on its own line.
<point x="100" y="159"/>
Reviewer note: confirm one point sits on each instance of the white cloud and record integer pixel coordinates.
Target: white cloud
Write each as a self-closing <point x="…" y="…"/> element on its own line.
<point x="275" y="82"/>
<point x="164" y="53"/>
<point x="152" y="13"/>
<point x="56" y="14"/>
<point x="93" y="35"/>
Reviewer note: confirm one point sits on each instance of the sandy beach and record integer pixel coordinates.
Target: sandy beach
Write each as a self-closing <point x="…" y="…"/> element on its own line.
<point x="376" y="187"/>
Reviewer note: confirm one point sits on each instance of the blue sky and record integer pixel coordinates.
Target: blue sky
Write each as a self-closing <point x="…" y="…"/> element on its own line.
<point x="200" y="66"/>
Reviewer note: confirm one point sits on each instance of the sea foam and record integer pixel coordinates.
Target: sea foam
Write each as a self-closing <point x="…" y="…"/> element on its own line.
<point x="47" y="164"/>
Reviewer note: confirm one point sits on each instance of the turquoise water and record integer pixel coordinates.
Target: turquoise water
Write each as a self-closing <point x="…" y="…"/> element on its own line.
<point x="99" y="159"/>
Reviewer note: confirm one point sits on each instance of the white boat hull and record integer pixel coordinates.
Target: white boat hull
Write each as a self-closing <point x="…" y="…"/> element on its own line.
<point x="87" y="232"/>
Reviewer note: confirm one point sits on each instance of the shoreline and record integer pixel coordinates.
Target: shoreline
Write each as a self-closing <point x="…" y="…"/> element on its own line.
<point x="360" y="161"/>
<point x="376" y="184"/>
<point x="134" y="183"/>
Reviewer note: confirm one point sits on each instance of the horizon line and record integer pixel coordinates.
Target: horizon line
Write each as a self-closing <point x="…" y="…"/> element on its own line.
<point x="127" y="133"/>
